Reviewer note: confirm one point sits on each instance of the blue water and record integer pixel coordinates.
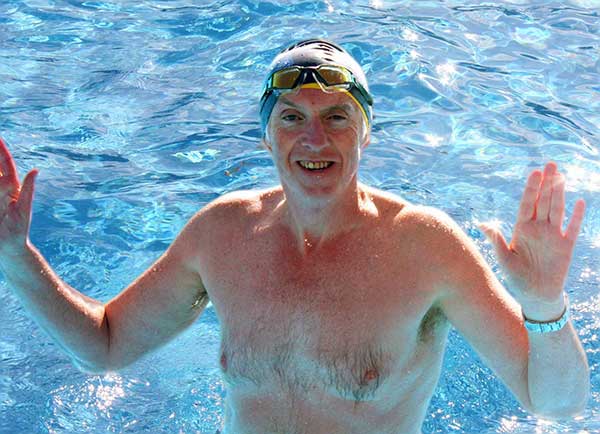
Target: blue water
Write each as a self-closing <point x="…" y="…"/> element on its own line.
<point x="138" y="113"/>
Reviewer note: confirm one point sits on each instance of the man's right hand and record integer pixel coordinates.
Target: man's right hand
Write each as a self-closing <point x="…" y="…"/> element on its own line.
<point x="145" y="315"/>
<point x="15" y="205"/>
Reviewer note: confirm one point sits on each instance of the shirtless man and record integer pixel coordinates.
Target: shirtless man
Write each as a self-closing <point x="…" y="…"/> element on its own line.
<point x="334" y="298"/>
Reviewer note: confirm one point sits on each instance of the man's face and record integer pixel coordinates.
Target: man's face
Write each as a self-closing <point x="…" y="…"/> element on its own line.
<point x="315" y="139"/>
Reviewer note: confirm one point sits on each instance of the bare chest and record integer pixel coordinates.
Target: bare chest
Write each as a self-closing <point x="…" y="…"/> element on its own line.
<point x="349" y="324"/>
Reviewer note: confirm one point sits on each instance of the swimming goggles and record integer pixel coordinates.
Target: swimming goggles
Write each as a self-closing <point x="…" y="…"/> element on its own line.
<point x="330" y="78"/>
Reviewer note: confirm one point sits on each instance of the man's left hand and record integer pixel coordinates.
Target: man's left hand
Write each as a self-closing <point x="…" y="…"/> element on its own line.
<point x="538" y="257"/>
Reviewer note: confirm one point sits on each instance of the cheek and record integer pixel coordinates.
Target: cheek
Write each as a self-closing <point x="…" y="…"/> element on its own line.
<point x="277" y="151"/>
<point x="277" y="135"/>
<point x="354" y="136"/>
<point x="357" y="128"/>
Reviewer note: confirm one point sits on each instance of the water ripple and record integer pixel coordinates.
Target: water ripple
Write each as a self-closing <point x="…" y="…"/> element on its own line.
<point x="139" y="113"/>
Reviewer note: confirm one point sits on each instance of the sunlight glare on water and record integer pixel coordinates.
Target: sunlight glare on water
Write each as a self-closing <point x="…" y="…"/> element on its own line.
<point x="137" y="113"/>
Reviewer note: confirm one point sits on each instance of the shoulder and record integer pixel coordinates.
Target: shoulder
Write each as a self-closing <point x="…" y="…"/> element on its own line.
<point x="390" y="200"/>
<point x="431" y="235"/>
<point x="401" y="215"/>
<point x="231" y="214"/>
<point x="223" y="222"/>
<point x="429" y="221"/>
<point x="230" y="207"/>
<point x="426" y="219"/>
<point x="453" y="257"/>
<point x="444" y="241"/>
<point x="384" y="204"/>
<point x="424" y="227"/>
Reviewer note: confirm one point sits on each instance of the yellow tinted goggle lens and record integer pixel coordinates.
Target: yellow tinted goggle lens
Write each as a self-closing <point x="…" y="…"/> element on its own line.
<point x="333" y="76"/>
<point x="329" y="75"/>
<point x="286" y="79"/>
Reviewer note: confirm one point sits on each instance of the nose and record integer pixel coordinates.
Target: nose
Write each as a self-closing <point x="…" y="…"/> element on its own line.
<point x="315" y="136"/>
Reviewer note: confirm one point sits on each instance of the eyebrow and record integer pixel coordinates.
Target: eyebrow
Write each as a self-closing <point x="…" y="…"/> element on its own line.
<point x="344" y="106"/>
<point x="283" y="100"/>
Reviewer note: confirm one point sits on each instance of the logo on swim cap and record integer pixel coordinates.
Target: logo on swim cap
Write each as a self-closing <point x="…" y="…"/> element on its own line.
<point x="312" y="54"/>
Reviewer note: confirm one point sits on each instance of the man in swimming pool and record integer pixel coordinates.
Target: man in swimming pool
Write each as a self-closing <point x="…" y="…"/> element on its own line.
<point x="334" y="298"/>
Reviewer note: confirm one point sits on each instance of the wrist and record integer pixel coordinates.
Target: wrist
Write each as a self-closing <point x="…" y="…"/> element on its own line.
<point x="16" y="254"/>
<point x="545" y="310"/>
<point x="551" y="324"/>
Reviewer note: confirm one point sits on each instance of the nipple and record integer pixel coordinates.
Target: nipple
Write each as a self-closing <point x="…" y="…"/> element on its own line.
<point x="370" y="375"/>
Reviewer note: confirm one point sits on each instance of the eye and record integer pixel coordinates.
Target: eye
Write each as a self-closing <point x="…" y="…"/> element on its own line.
<point x="290" y="117"/>
<point x="338" y="119"/>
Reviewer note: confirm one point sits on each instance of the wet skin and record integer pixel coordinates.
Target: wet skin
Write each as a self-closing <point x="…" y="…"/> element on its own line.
<point x="346" y="337"/>
<point x="334" y="298"/>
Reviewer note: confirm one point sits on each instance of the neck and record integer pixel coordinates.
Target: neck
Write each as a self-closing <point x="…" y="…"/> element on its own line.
<point x="316" y="220"/>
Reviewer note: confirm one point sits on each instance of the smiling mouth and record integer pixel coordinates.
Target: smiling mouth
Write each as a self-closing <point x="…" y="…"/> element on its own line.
<point x="315" y="165"/>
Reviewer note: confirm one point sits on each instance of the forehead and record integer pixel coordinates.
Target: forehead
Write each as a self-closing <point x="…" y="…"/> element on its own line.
<point x="316" y="99"/>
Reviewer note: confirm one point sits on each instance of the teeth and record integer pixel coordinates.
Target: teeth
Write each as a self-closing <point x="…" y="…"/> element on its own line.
<point x="315" y="165"/>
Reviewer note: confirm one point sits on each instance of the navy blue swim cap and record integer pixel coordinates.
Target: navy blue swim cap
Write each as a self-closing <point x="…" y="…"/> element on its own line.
<point x="313" y="53"/>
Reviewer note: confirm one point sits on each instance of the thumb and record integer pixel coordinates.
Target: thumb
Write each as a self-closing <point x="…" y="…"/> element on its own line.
<point x="495" y="237"/>
<point x="26" y="195"/>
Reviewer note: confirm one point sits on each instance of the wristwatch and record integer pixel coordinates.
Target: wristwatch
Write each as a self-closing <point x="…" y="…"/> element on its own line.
<point x="548" y="326"/>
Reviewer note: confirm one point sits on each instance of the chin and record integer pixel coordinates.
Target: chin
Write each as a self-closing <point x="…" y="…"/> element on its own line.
<point x="323" y="187"/>
<point x="324" y="192"/>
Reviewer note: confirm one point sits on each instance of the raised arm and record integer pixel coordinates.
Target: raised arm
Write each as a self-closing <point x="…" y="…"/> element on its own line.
<point x="167" y="298"/>
<point x="548" y="371"/>
<point x="155" y="307"/>
<point x="537" y="262"/>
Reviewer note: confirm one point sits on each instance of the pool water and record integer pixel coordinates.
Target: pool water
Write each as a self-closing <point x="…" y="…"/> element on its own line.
<point x="140" y="112"/>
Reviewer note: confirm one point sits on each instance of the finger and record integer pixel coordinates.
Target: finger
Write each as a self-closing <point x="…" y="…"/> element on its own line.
<point x="557" y="202"/>
<point x="527" y="207"/>
<point x="7" y="163"/>
<point x="8" y="186"/>
<point x="576" y="219"/>
<point x="9" y="192"/>
<point x="495" y="237"/>
<point x="26" y="197"/>
<point x="543" y="202"/>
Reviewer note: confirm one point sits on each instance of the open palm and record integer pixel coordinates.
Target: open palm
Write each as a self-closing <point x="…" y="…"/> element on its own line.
<point x="538" y="257"/>
<point x="15" y="205"/>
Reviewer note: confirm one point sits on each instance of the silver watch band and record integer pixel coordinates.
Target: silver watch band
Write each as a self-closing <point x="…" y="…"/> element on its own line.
<point x="549" y="326"/>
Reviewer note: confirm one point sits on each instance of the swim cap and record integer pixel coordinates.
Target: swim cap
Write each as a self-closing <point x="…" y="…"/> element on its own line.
<point x="312" y="53"/>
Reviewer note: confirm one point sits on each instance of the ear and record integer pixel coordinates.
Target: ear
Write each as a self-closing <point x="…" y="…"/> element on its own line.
<point x="366" y="135"/>
<point x="366" y="141"/>
<point x="267" y="144"/>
